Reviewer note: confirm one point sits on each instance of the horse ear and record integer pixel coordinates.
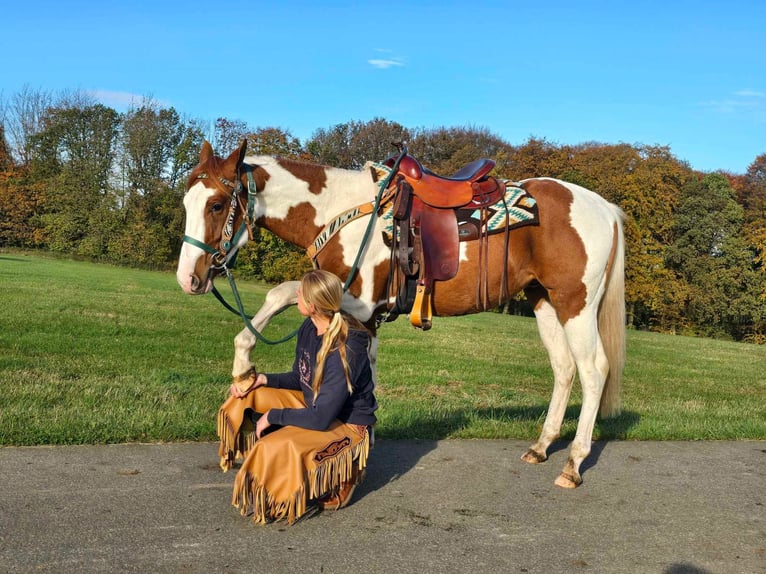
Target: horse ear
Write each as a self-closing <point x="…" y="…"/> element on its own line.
<point x="206" y="152"/>
<point x="236" y="157"/>
<point x="242" y="150"/>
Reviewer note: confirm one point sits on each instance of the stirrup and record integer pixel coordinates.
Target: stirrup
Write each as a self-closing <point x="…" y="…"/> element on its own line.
<point x="421" y="307"/>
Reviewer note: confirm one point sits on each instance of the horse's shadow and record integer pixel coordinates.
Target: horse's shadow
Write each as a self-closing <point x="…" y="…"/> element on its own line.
<point x="390" y="459"/>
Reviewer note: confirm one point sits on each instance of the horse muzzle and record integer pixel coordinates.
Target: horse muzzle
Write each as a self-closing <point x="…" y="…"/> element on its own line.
<point x="191" y="284"/>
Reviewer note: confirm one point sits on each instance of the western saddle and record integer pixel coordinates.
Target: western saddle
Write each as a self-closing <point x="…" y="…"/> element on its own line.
<point x="425" y="239"/>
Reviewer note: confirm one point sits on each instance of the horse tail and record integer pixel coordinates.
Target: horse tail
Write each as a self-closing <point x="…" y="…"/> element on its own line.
<point x="611" y="320"/>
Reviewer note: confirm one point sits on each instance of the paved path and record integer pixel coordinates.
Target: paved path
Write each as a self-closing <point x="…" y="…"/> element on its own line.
<point x="426" y="507"/>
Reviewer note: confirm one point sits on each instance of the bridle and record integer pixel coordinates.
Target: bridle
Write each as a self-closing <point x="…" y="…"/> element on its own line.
<point x="221" y="258"/>
<point x="229" y="238"/>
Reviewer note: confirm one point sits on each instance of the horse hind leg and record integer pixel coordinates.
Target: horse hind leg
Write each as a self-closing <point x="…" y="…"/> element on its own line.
<point x="277" y="298"/>
<point x="564" y="369"/>
<point x="593" y="367"/>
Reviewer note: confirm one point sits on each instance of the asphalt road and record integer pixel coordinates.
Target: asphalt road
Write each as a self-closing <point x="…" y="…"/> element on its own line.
<point x="426" y="507"/>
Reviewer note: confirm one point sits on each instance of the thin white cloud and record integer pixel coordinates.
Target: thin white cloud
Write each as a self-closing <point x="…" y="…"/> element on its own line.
<point x="123" y="100"/>
<point x="739" y="101"/>
<point x="384" y="64"/>
<point x="750" y="94"/>
<point x="386" y="59"/>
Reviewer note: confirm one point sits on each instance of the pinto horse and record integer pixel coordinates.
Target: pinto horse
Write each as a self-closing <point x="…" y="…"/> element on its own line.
<point x="570" y="266"/>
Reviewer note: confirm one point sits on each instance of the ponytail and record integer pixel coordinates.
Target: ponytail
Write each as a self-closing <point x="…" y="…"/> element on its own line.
<point x="334" y="339"/>
<point x="325" y="291"/>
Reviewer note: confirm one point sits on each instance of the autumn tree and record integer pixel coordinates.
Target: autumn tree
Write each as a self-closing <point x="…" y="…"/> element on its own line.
<point x="645" y="182"/>
<point x="751" y="194"/>
<point x="77" y="177"/>
<point x="537" y="157"/>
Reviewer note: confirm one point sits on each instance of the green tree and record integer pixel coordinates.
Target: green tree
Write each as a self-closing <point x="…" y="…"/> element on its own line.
<point x="73" y="155"/>
<point x="350" y="145"/>
<point x="227" y="135"/>
<point x="159" y="147"/>
<point x="710" y="254"/>
<point x="22" y="116"/>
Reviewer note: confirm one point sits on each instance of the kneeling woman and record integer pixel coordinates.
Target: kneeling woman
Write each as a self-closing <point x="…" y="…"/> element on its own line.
<point x="322" y="410"/>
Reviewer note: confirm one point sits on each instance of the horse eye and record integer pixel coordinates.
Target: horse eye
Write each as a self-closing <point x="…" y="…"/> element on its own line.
<point x="216" y="208"/>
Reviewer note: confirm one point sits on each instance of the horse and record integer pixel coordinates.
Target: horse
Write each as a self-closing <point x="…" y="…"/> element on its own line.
<point x="570" y="266"/>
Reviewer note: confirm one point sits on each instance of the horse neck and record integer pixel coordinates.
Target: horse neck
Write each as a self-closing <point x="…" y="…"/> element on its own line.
<point x="299" y="198"/>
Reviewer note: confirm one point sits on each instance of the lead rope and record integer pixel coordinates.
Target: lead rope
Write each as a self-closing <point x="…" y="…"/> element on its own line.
<point x="246" y="318"/>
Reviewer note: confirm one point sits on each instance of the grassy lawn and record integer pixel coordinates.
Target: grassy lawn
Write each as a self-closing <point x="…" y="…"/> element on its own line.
<point x="99" y="354"/>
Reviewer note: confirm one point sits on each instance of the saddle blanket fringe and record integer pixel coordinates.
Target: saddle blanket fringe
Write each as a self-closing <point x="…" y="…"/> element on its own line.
<point x="291" y="466"/>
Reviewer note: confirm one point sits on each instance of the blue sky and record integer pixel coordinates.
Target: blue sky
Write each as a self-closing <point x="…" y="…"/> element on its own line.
<point x="690" y="75"/>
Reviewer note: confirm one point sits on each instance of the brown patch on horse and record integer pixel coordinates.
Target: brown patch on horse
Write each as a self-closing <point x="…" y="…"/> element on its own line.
<point x="458" y="296"/>
<point x="558" y="249"/>
<point x="297" y="227"/>
<point x="314" y="175"/>
<point x="331" y="259"/>
<point x="550" y="258"/>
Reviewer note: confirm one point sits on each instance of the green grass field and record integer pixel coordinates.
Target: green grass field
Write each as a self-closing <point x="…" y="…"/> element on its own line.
<point x="100" y="354"/>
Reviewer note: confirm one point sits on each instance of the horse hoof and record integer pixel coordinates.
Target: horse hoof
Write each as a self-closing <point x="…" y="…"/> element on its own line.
<point x="533" y="457"/>
<point x="566" y="480"/>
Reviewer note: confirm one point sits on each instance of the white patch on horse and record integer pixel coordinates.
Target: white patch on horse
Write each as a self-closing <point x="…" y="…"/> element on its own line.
<point x="592" y="231"/>
<point x="195" y="201"/>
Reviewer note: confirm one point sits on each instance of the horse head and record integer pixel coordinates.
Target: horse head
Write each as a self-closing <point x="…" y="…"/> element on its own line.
<point x="219" y="204"/>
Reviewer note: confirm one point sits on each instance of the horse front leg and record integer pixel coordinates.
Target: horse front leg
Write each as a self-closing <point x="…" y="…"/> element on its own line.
<point x="563" y="364"/>
<point x="277" y="298"/>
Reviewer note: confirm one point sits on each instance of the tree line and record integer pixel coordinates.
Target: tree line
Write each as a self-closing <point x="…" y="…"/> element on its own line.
<point x="79" y="178"/>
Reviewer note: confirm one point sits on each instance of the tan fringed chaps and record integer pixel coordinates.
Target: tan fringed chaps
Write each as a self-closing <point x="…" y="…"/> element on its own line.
<point x="285" y="469"/>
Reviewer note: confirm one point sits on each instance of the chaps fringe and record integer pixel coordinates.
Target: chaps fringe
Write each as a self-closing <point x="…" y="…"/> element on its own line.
<point x="250" y="495"/>
<point x="233" y="445"/>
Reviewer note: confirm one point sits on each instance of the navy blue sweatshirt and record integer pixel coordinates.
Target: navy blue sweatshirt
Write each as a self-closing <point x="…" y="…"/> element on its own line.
<point x="333" y="401"/>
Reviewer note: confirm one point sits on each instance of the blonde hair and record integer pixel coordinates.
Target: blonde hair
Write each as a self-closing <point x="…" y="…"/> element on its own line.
<point x="324" y="291"/>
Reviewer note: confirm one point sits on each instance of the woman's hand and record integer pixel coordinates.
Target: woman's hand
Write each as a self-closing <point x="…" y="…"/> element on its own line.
<point x="262" y="424"/>
<point x="240" y="389"/>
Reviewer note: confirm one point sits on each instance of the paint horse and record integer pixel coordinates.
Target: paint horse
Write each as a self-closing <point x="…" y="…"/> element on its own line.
<point x="570" y="267"/>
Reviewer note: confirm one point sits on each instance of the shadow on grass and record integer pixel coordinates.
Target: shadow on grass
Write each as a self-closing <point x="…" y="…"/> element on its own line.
<point x="394" y="457"/>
